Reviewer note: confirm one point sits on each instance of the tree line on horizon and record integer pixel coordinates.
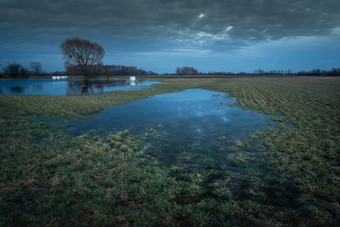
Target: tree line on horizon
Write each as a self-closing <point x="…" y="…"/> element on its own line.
<point x="16" y="70"/>
<point x="186" y="70"/>
<point x="109" y="70"/>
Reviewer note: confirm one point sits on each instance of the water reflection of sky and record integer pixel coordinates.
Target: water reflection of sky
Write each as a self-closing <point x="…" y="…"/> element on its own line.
<point x="196" y="110"/>
<point x="68" y="87"/>
<point x="192" y="121"/>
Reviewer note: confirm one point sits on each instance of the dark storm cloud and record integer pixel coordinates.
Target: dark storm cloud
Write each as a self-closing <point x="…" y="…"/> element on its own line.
<point x="160" y="24"/>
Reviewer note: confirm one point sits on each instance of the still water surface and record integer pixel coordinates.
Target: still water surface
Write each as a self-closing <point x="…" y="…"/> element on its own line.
<point x="69" y="87"/>
<point x="193" y="122"/>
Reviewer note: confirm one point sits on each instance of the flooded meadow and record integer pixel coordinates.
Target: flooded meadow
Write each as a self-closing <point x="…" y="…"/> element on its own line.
<point x="70" y="86"/>
<point x="205" y="152"/>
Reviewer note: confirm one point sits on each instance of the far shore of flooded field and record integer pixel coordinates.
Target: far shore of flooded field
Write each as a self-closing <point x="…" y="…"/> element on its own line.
<point x="71" y="86"/>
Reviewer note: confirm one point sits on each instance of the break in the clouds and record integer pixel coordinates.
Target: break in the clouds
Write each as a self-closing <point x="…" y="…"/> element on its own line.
<point x="145" y="26"/>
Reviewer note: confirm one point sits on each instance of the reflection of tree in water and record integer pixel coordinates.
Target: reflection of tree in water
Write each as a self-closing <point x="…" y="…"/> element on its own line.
<point x="87" y="86"/>
<point x="38" y="87"/>
<point x="17" y="89"/>
<point x="76" y="87"/>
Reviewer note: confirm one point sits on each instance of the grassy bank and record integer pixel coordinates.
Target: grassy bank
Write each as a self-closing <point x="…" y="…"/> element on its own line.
<point x="48" y="178"/>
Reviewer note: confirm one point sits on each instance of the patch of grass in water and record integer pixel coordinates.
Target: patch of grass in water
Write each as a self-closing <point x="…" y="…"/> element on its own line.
<point x="222" y="138"/>
<point x="88" y="181"/>
<point x="239" y="144"/>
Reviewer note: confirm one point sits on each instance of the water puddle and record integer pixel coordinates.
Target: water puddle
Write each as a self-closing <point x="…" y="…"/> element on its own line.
<point x="191" y="126"/>
<point x="199" y="135"/>
<point x="191" y="113"/>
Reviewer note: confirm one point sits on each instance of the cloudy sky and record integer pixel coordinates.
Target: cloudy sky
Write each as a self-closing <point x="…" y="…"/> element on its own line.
<point x="160" y="35"/>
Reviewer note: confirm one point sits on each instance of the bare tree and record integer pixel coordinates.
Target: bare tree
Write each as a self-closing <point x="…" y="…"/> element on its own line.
<point x="83" y="53"/>
<point x="35" y="67"/>
<point x="15" y="70"/>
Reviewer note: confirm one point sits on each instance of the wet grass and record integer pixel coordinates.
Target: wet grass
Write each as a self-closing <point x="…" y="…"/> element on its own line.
<point x="51" y="179"/>
<point x="48" y="178"/>
<point x="306" y="154"/>
<point x="69" y="106"/>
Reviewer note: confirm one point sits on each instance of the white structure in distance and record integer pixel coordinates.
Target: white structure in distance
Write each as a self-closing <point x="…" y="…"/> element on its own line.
<point x="132" y="80"/>
<point x="59" y="77"/>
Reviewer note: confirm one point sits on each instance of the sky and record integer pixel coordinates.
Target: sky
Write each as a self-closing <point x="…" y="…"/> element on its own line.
<point x="161" y="35"/>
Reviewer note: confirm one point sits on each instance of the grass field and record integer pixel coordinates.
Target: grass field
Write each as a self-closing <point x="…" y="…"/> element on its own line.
<point x="48" y="178"/>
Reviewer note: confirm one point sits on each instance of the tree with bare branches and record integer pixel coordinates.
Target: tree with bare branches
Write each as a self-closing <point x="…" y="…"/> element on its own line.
<point x="36" y="68"/>
<point x="82" y="53"/>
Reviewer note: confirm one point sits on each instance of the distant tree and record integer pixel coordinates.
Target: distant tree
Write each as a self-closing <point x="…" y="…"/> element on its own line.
<point x="335" y="71"/>
<point x="82" y="53"/>
<point x="316" y="71"/>
<point x="186" y="70"/>
<point x="36" y="68"/>
<point x="259" y="72"/>
<point x="15" y="70"/>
